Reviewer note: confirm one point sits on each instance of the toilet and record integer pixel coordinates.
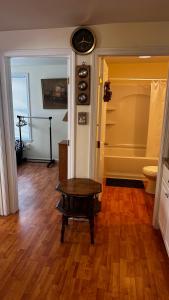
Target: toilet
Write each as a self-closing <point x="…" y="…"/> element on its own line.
<point x="150" y="172"/>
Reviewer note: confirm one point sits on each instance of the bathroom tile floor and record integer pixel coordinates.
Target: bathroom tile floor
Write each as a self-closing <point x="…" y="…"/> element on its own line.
<point x="128" y="260"/>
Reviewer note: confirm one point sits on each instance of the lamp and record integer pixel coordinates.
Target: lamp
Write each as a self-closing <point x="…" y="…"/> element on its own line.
<point x="65" y="118"/>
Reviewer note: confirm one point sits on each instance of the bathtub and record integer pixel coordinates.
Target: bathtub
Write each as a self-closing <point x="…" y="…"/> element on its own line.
<point x="126" y="162"/>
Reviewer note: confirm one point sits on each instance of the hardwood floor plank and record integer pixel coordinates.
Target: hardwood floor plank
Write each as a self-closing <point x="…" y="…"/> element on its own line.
<point x="127" y="261"/>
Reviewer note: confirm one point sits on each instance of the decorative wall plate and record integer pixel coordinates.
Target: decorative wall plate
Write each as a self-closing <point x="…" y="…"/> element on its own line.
<point x="82" y="85"/>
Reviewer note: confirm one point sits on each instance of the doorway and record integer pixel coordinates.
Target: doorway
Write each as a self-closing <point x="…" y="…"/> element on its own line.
<point x="45" y="56"/>
<point x="40" y="104"/>
<point x="125" y="72"/>
<point x="39" y="110"/>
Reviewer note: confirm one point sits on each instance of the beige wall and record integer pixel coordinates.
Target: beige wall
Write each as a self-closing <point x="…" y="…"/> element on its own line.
<point x="130" y="114"/>
<point x="139" y="70"/>
<point x="130" y="101"/>
<point x="123" y="36"/>
<point x="117" y="35"/>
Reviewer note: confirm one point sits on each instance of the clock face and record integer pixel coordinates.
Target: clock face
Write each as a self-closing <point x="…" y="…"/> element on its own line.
<point x="83" y="40"/>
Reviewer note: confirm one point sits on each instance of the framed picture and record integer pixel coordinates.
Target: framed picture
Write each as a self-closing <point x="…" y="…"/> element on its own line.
<point x="54" y="93"/>
<point x="82" y="118"/>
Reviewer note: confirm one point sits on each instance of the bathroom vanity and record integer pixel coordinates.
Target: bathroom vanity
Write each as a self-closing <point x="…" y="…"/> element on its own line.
<point x="164" y="205"/>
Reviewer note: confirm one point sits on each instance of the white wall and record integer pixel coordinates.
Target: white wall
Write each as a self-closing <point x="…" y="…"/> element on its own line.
<point x="39" y="147"/>
<point x="124" y="36"/>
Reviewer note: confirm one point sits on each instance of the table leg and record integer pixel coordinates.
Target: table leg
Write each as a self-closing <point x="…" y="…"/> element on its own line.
<point x="64" y="222"/>
<point x="91" y="222"/>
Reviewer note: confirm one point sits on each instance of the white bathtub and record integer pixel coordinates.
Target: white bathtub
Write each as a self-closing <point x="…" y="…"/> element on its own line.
<point x="126" y="162"/>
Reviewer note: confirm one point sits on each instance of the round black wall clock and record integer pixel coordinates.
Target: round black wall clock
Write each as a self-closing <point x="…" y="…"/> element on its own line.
<point x="83" y="40"/>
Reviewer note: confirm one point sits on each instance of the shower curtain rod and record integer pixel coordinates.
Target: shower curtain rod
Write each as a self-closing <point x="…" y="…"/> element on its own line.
<point x="141" y="79"/>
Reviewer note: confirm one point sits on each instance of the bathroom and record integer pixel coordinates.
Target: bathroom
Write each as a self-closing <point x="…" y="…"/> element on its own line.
<point x="134" y="115"/>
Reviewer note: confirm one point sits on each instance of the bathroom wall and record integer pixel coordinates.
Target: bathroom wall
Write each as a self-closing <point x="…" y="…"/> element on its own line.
<point x="127" y="116"/>
<point x="128" y="111"/>
<point x="140" y="69"/>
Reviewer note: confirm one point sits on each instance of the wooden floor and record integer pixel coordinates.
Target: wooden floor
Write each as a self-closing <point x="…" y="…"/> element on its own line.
<point x="128" y="260"/>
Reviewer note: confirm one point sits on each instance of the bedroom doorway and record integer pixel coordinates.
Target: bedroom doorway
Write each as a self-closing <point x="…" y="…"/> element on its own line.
<point x="36" y="74"/>
<point x="40" y="104"/>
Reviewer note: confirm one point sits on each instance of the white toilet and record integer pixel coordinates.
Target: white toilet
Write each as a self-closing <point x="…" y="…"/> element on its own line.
<point x="150" y="172"/>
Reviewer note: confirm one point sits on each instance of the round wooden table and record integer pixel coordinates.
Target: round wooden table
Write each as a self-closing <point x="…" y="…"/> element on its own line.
<point x="79" y="200"/>
<point x="80" y="187"/>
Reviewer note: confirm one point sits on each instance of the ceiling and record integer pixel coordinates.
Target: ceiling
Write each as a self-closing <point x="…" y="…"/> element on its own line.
<point x="21" y="14"/>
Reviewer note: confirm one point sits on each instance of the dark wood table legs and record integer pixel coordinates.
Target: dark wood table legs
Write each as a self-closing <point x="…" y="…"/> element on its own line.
<point x="77" y="207"/>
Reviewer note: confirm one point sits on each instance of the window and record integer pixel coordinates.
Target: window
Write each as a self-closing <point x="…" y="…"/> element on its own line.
<point x="21" y="103"/>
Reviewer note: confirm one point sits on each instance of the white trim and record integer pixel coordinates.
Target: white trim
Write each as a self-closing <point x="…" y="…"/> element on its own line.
<point x="9" y="137"/>
<point x="92" y="109"/>
<point x="40" y="52"/>
<point x="11" y="176"/>
<point x="71" y="116"/>
<point x="92" y="146"/>
<point x="4" y="193"/>
<point x="153" y="51"/>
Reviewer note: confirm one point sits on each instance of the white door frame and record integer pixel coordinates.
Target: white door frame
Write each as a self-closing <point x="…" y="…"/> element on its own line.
<point x="155" y="51"/>
<point x="4" y="193"/>
<point x="8" y="158"/>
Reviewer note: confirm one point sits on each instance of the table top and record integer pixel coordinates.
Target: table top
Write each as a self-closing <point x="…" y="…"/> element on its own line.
<point x="80" y="187"/>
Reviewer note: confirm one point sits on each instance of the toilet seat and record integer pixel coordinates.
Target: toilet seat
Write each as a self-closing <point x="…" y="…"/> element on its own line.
<point x="150" y="171"/>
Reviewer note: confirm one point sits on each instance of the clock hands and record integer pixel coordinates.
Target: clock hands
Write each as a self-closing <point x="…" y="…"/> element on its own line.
<point x="84" y="41"/>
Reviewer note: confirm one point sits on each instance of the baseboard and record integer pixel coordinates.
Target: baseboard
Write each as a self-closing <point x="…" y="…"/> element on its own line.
<point x="124" y="176"/>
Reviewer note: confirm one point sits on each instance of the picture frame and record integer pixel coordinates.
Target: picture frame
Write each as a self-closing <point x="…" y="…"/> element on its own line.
<point x="82" y="118"/>
<point x="54" y="93"/>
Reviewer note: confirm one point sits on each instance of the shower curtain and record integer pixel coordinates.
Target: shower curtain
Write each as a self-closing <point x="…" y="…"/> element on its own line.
<point x="157" y="99"/>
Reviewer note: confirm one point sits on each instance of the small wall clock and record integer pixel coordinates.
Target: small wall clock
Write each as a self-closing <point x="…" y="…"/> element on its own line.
<point x="83" y="40"/>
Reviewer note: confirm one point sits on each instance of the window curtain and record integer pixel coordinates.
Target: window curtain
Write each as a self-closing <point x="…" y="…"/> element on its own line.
<point x="157" y="99"/>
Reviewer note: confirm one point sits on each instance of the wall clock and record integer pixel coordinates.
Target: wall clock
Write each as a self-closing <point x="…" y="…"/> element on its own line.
<point x="83" y="40"/>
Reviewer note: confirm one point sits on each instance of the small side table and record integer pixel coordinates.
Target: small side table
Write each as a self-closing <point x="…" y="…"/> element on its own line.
<point x="79" y="200"/>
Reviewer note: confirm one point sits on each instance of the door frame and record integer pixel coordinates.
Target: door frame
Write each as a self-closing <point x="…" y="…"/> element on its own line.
<point x="9" y="156"/>
<point x="155" y="51"/>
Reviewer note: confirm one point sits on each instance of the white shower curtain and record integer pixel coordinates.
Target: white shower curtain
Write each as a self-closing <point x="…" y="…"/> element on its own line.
<point x="157" y="99"/>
